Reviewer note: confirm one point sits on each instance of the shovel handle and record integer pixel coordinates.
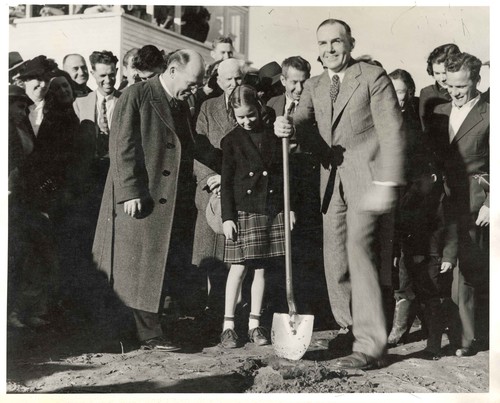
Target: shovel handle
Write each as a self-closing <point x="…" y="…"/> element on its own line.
<point x="288" y="231"/>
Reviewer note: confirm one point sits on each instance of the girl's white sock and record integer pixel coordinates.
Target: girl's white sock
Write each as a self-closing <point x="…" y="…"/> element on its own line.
<point x="228" y="323"/>
<point x="253" y="321"/>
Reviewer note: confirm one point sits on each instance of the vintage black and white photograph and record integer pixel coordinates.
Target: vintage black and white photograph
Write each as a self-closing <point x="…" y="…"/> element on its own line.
<point x="248" y="199"/>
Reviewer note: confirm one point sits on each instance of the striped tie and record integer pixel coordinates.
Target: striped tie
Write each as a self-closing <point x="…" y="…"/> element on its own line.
<point x="103" y="118"/>
<point x="334" y="88"/>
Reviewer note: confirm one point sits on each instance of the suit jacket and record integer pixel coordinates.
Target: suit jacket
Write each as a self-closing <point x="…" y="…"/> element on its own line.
<point x="252" y="181"/>
<point x="145" y="159"/>
<point x="466" y="156"/>
<point x="214" y="123"/>
<point x="85" y="109"/>
<point x="278" y="104"/>
<point x="364" y="135"/>
<point x="430" y="97"/>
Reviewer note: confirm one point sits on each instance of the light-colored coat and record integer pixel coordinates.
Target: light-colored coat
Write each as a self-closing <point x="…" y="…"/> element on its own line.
<point x="360" y="141"/>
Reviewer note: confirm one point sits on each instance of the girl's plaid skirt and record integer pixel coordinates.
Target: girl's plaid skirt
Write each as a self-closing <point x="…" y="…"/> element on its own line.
<point x="259" y="236"/>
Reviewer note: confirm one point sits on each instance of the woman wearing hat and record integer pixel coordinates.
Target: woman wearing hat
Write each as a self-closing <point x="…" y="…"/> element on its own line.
<point x="49" y="182"/>
<point x="31" y="247"/>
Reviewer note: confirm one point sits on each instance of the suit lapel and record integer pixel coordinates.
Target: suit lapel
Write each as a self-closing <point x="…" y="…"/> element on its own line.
<point x="475" y="116"/>
<point x="279" y="106"/>
<point x="323" y="93"/>
<point x="160" y="104"/>
<point x="89" y="110"/>
<point x="347" y="88"/>
<point x="219" y="113"/>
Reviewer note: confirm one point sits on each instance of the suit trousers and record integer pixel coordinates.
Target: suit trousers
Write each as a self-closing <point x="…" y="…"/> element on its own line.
<point x="350" y="265"/>
<point x="470" y="282"/>
<point x="148" y="324"/>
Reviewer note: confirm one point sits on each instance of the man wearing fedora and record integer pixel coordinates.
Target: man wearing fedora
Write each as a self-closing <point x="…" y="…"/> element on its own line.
<point x="16" y="66"/>
<point x="269" y="81"/>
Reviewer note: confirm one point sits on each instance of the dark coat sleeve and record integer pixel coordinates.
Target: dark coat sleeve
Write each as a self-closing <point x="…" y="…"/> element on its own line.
<point x="228" y="204"/>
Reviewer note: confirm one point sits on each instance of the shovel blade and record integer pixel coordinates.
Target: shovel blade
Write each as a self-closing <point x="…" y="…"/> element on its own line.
<point x="291" y="335"/>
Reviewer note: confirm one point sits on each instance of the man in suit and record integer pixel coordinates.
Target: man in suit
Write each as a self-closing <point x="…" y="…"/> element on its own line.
<point x="304" y="166"/>
<point x="349" y="116"/>
<point x="142" y="240"/>
<point x="214" y="122"/>
<point x="95" y="111"/>
<point x="461" y="130"/>
<point x="74" y="64"/>
<point x="437" y="93"/>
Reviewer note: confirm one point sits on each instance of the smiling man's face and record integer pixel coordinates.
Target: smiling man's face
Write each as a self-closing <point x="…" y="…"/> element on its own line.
<point x="461" y="87"/>
<point x="335" y="46"/>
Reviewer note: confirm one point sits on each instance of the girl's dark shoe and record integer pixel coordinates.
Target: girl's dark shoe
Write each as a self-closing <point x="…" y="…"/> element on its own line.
<point x="229" y="339"/>
<point x="258" y="335"/>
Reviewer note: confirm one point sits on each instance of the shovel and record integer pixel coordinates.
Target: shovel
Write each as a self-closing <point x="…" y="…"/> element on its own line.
<point x="291" y="333"/>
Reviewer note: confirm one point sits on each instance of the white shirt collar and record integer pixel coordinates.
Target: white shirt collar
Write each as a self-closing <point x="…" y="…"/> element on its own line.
<point x="164" y="85"/>
<point x="340" y="73"/>
<point x="469" y="105"/>
<point x="100" y="96"/>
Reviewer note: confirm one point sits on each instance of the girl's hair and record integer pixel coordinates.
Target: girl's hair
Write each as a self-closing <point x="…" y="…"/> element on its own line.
<point x="245" y="95"/>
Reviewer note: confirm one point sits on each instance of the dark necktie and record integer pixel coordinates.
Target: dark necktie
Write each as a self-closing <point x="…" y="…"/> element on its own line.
<point x="103" y="118"/>
<point x="291" y="109"/>
<point x="334" y="88"/>
<point x="175" y="105"/>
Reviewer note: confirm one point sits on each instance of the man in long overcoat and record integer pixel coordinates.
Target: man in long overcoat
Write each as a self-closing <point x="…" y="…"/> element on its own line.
<point x="139" y="239"/>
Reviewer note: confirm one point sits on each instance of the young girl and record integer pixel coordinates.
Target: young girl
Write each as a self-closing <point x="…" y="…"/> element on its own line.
<point x="252" y="209"/>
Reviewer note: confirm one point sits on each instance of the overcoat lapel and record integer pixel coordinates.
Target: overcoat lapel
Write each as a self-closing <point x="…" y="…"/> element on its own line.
<point x="160" y="104"/>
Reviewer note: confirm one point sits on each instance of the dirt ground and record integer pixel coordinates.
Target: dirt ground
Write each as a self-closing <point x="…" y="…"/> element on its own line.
<point x="70" y="359"/>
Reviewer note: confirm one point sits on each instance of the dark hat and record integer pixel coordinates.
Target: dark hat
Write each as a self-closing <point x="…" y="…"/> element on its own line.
<point x="15" y="60"/>
<point x="39" y="66"/>
<point x="270" y="73"/>
<point x="214" y="214"/>
<point x="16" y="92"/>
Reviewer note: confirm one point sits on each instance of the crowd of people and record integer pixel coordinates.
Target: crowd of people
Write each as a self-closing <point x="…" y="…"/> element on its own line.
<point x="182" y="165"/>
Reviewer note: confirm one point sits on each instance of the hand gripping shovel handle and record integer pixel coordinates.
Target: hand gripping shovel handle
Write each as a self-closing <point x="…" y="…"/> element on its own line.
<point x="288" y="232"/>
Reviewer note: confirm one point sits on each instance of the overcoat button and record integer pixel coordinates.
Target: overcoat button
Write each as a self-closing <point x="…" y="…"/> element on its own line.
<point x="271" y="191"/>
<point x="264" y="173"/>
<point x="249" y="191"/>
<point x="163" y="201"/>
<point x="166" y="173"/>
<point x="250" y="174"/>
<point x="170" y="145"/>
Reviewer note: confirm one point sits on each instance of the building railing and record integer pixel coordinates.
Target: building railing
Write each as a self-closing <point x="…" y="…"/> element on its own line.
<point x="213" y="21"/>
